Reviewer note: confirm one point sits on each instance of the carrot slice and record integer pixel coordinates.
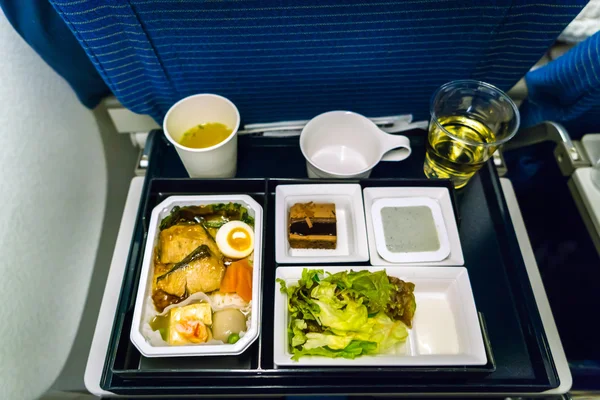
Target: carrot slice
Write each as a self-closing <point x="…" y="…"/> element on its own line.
<point x="229" y="282"/>
<point x="238" y="279"/>
<point x="244" y="284"/>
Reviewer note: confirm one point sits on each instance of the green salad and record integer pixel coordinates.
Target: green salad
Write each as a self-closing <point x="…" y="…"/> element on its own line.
<point x="348" y="314"/>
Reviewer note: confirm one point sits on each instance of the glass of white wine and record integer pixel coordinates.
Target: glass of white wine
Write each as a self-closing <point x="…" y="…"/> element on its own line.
<point x="469" y="121"/>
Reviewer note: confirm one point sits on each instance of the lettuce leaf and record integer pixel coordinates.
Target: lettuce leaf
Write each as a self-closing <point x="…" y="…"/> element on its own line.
<point x="352" y="318"/>
<point x="402" y="305"/>
<point x="351" y="351"/>
<point x="333" y="342"/>
<point x="374" y="287"/>
<point x="298" y="337"/>
<point x="347" y="314"/>
<point x="380" y="329"/>
<point x="387" y="333"/>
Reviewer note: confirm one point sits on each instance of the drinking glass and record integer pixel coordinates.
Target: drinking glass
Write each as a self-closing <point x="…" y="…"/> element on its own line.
<point x="469" y="121"/>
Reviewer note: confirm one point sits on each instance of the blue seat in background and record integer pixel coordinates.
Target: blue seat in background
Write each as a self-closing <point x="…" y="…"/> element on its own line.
<point x="285" y="60"/>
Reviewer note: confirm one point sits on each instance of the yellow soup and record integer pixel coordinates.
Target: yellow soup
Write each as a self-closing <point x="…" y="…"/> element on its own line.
<point x="205" y="135"/>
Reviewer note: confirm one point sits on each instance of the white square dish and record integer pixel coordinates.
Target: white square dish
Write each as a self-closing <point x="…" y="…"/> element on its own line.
<point x="439" y="194"/>
<point x="351" y="226"/>
<point x="408" y="233"/>
<point x="445" y="332"/>
<point x="143" y="300"/>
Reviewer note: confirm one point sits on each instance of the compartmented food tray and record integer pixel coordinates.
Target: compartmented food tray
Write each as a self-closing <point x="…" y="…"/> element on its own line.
<point x="516" y="347"/>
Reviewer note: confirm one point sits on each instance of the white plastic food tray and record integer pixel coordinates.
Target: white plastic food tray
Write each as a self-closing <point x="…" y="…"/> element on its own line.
<point x="145" y="286"/>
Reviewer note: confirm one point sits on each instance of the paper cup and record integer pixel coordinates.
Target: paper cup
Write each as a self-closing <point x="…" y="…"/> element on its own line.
<point x="218" y="161"/>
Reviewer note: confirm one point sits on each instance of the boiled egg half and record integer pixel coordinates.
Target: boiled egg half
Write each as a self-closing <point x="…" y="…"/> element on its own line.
<point x="235" y="239"/>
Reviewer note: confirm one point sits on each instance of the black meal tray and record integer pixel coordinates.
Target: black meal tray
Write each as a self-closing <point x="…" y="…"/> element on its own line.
<point x="518" y="352"/>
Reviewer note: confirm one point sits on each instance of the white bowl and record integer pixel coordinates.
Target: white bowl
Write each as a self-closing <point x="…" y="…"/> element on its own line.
<point x="351" y="228"/>
<point x="143" y="299"/>
<point x="445" y="330"/>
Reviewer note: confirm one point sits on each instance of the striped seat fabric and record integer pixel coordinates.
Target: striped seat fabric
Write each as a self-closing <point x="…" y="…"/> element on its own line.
<point x="285" y="60"/>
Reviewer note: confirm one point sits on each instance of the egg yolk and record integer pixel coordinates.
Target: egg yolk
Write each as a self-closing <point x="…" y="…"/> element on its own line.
<point x="238" y="239"/>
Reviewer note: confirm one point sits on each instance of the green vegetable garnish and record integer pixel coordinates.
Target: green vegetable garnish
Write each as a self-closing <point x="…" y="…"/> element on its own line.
<point x="233" y="338"/>
<point x="163" y="333"/>
<point x="347" y="314"/>
<point x="210" y="216"/>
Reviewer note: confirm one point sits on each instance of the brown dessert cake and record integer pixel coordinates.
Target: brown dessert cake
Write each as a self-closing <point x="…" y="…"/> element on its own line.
<point x="312" y="226"/>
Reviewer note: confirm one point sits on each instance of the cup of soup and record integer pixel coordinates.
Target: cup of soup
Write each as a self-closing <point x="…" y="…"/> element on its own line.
<point x="203" y="128"/>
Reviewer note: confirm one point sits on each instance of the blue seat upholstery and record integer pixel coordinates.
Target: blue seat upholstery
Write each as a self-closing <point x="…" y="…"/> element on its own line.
<point x="282" y="60"/>
<point x="42" y="28"/>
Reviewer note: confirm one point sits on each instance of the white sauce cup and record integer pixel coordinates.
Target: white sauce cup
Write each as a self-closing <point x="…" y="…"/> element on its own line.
<point x="218" y="161"/>
<point x="343" y="144"/>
